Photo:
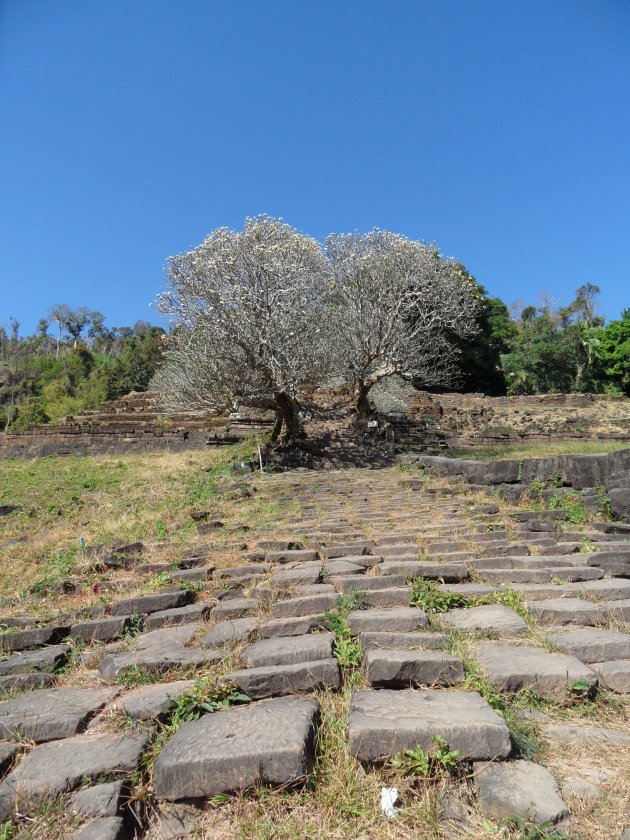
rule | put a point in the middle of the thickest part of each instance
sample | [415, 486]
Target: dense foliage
[46, 376]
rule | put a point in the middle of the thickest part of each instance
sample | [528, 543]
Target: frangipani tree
[249, 316]
[400, 303]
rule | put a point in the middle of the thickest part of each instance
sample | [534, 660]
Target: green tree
[614, 354]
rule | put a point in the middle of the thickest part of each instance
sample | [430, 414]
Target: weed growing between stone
[438, 763]
[346, 649]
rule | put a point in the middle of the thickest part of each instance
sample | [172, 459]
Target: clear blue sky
[499, 129]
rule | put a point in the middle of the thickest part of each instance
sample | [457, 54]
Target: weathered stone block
[385, 723]
[404, 668]
[269, 743]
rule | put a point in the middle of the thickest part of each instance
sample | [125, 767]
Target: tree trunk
[288, 413]
[361, 400]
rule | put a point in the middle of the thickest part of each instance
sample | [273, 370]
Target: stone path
[423, 607]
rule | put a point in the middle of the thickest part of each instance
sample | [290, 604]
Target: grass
[544, 449]
[103, 500]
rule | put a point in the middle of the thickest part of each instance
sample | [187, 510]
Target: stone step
[288, 650]
[396, 668]
[561, 611]
[401, 619]
[493, 618]
[401, 641]
[268, 743]
[550, 676]
[384, 723]
[280, 680]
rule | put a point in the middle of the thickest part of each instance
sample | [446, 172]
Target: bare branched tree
[399, 302]
[248, 311]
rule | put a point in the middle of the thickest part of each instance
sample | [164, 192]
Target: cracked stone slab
[519, 789]
[402, 619]
[592, 645]
[549, 675]
[271, 742]
[288, 650]
[386, 722]
[48, 714]
[52, 768]
[561, 611]
[494, 618]
[405, 668]
[279, 680]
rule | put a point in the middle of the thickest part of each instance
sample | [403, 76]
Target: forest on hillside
[73, 363]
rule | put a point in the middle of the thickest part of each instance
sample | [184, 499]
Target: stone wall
[131, 424]
[470, 420]
[589, 474]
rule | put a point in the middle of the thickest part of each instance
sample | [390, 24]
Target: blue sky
[499, 129]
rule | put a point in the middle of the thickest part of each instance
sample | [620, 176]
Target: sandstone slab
[230, 631]
[304, 605]
[614, 675]
[403, 619]
[48, 714]
[562, 611]
[549, 675]
[405, 668]
[402, 641]
[104, 828]
[45, 659]
[591, 644]
[288, 650]
[280, 680]
[52, 768]
[98, 800]
[271, 742]
[519, 789]
[493, 618]
[386, 722]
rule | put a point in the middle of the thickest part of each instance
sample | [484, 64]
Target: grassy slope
[102, 499]
[539, 449]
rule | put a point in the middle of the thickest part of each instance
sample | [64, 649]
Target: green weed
[427, 595]
[437, 764]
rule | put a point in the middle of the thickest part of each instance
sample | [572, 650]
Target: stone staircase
[131, 424]
[437, 614]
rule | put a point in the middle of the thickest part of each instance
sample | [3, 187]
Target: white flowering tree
[248, 317]
[399, 304]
